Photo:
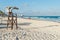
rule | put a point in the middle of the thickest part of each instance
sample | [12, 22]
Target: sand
[31, 30]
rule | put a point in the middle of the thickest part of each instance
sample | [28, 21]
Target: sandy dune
[32, 30]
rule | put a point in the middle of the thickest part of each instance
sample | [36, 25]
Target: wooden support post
[16, 22]
[12, 22]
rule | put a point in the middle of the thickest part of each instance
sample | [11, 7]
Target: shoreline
[39, 19]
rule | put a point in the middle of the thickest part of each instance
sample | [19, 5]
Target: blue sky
[34, 7]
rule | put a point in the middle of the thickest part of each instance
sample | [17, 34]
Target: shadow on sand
[26, 23]
[4, 25]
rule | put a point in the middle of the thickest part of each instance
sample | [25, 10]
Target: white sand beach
[29, 29]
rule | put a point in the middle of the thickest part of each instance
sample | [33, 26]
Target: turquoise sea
[49, 18]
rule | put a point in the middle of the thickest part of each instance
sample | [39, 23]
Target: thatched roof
[2, 13]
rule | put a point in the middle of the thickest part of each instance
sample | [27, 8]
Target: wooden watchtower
[12, 19]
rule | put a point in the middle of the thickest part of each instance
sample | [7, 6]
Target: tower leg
[16, 26]
[11, 26]
[16, 22]
[12, 23]
[7, 25]
[7, 22]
